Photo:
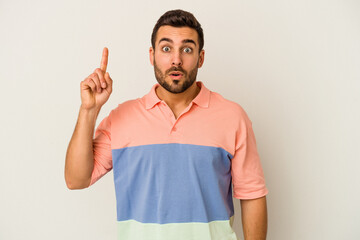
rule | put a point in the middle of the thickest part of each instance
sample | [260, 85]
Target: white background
[294, 66]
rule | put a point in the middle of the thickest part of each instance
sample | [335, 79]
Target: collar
[202, 99]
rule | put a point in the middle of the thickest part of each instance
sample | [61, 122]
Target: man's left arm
[254, 218]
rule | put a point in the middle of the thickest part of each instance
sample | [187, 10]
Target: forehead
[177, 34]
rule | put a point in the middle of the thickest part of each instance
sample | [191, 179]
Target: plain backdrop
[294, 67]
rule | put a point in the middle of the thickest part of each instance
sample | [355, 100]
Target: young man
[175, 152]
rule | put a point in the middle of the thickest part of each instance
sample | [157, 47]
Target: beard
[176, 86]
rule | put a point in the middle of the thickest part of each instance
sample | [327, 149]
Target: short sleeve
[102, 150]
[246, 170]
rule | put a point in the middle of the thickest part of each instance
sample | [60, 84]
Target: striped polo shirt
[175, 178]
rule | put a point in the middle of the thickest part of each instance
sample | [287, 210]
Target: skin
[97, 88]
[254, 218]
[176, 49]
[95, 91]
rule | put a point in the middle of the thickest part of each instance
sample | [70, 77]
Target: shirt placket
[171, 117]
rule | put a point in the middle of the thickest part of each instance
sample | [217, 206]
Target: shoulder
[125, 109]
[228, 107]
[128, 104]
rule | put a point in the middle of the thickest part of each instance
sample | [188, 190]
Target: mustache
[178, 69]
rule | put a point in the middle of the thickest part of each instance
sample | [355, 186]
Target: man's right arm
[79, 162]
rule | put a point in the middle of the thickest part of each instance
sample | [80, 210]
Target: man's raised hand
[97, 87]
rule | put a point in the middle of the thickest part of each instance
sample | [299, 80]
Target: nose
[176, 59]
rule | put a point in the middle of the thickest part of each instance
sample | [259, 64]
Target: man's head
[178, 18]
[176, 52]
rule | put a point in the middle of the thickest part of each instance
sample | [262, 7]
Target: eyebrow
[183, 41]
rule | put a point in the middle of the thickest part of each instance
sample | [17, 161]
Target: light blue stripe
[172, 183]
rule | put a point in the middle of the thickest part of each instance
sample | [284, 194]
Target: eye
[187, 50]
[166, 49]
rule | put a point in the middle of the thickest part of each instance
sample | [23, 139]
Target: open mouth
[176, 74]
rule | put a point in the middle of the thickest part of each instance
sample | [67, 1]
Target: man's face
[176, 57]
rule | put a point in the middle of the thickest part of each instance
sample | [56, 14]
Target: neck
[178, 99]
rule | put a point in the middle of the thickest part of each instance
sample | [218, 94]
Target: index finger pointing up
[104, 59]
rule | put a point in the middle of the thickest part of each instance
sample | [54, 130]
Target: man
[175, 152]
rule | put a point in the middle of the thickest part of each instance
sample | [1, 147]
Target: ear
[201, 58]
[151, 55]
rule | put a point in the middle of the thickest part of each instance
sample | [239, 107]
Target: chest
[161, 126]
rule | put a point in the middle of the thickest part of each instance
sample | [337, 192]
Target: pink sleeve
[246, 171]
[102, 150]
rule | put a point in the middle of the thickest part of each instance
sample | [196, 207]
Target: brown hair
[178, 18]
